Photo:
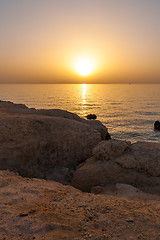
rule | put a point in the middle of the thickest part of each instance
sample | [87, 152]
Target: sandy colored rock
[40, 209]
[36, 142]
[110, 149]
[117, 161]
[147, 156]
[12, 108]
[126, 190]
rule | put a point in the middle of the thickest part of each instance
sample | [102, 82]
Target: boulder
[126, 190]
[97, 125]
[12, 108]
[107, 150]
[157, 125]
[91, 116]
[117, 161]
[34, 143]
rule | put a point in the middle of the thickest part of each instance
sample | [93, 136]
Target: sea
[127, 110]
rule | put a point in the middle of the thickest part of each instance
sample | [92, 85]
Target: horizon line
[34, 83]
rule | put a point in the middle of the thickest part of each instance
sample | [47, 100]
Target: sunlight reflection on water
[84, 107]
[129, 111]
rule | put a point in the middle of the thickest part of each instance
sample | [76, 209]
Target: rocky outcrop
[97, 125]
[12, 108]
[157, 125]
[91, 116]
[117, 161]
[36, 142]
[40, 209]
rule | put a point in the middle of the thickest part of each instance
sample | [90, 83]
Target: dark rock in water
[157, 125]
[91, 116]
[108, 136]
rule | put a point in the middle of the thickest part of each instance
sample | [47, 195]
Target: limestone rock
[109, 149]
[127, 190]
[12, 108]
[97, 125]
[148, 157]
[97, 190]
[117, 161]
[34, 144]
[40, 209]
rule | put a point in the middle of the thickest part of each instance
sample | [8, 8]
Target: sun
[84, 66]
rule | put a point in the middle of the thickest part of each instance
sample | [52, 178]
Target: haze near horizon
[87, 41]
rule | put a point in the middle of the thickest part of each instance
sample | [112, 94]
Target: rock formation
[36, 142]
[117, 161]
[39, 209]
[157, 125]
[91, 116]
[50, 144]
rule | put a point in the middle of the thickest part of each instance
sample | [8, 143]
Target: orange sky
[41, 40]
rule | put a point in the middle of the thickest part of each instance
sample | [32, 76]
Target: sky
[42, 40]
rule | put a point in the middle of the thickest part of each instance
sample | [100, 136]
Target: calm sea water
[129, 111]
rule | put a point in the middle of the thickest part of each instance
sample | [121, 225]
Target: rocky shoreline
[115, 192]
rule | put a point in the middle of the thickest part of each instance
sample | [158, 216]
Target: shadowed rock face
[34, 142]
[117, 161]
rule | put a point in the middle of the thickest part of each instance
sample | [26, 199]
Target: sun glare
[84, 66]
